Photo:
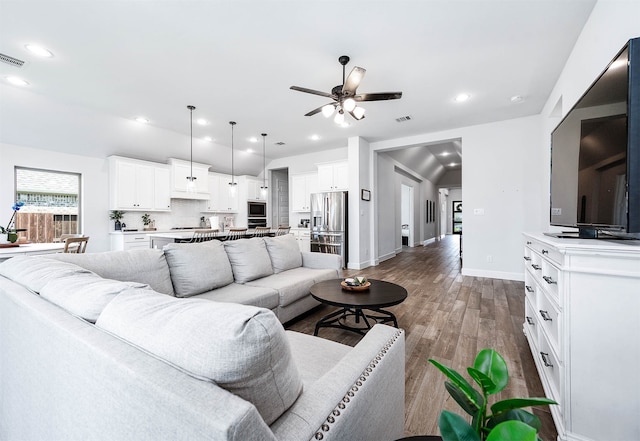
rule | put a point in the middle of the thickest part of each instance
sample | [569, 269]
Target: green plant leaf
[518, 403]
[491, 364]
[513, 431]
[455, 428]
[460, 382]
[483, 381]
[472, 407]
[515, 415]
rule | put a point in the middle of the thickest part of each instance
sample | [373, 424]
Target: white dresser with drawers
[582, 321]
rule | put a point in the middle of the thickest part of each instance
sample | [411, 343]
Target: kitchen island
[159, 240]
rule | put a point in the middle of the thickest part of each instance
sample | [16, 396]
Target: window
[51, 204]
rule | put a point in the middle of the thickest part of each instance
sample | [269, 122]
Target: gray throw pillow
[197, 267]
[249, 259]
[33, 272]
[86, 294]
[284, 252]
[241, 348]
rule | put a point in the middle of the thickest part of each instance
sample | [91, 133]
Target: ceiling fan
[345, 96]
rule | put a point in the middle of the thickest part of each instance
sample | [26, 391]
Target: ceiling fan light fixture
[358, 113]
[349, 104]
[327, 110]
[339, 118]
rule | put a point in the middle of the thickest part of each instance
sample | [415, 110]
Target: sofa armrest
[321, 261]
[360, 398]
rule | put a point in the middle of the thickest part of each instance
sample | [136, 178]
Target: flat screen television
[595, 155]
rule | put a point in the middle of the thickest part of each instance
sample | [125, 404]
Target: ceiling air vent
[404, 118]
[10, 60]
[279, 143]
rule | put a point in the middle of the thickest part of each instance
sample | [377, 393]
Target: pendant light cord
[264, 161]
[233, 123]
[191, 109]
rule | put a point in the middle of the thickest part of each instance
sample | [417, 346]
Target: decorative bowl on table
[355, 284]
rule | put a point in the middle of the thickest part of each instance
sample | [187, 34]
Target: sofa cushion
[33, 272]
[85, 294]
[197, 267]
[241, 348]
[249, 259]
[284, 252]
[143, 266]
[291, 285]
[243, 294]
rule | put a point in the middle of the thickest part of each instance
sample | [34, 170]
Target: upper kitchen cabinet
[301, 188]
[254, 190]
[134, 185]
[162, 181]
[181, 172]
[221, 200]
[333, 176]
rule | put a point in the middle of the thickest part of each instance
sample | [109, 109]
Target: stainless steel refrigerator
[329, 222]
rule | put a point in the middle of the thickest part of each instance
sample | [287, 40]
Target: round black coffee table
[366, 305]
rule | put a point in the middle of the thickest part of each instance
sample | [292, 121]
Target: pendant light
[233, 184]
[191, 184]
[263, 189]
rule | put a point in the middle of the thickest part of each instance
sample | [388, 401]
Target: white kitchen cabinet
[333, 176]
[162, 188]
[303, 237]
[254, 192]
[220, 199]
[129, 241]
[132, 184]
[181, 172]
[302, 186]
[582, 321]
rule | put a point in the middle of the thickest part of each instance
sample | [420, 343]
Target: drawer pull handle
[528, 288]
[536, 267]
[545, 316]
[545, 359]
[527, 258]
[529, 242]
[549, 280]
[530, 321]
[545, 252]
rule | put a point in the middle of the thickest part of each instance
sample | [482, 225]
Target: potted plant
[148, 222]
[116, 215]
[504, 420]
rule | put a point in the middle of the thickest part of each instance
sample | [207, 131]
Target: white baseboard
[493, 274]
[428, 241]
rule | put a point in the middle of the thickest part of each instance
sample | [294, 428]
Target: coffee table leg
[333, 319]
[328, 320]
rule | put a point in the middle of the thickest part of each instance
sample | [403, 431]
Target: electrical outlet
[489, 258]
[556, 212]
[478, 211]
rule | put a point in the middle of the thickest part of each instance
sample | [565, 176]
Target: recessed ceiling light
[16, 81]
[444, 154]
[253, 139]
[249, 150]
[208, 138]
[142, 120]
[462, 97]
[517, 99]
[453, 164]
[39, 50]
[314, 137]
[202, 122]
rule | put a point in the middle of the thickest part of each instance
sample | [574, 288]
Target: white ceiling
[235, 60]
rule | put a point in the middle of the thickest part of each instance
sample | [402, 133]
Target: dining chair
[282, 230]
[203, 235]
[76, 245]
[236, 233]
[261, 231]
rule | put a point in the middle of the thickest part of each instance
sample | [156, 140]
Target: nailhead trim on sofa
[336, 412]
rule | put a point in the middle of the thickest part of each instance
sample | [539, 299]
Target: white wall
[95, 221]
[611, 24]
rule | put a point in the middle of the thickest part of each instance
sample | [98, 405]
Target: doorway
[280, 197]
[406, 215]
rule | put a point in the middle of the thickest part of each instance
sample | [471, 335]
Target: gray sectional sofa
[183, 344]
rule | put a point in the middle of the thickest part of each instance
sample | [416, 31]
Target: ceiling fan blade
[314, 92]
[355, 117]
[318, 110]
[353, 81]
[378, 96]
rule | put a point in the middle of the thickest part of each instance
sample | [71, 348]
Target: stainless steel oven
[256, 209]
[253, 222]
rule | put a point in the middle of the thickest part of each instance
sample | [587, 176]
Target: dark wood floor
[449, 317]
